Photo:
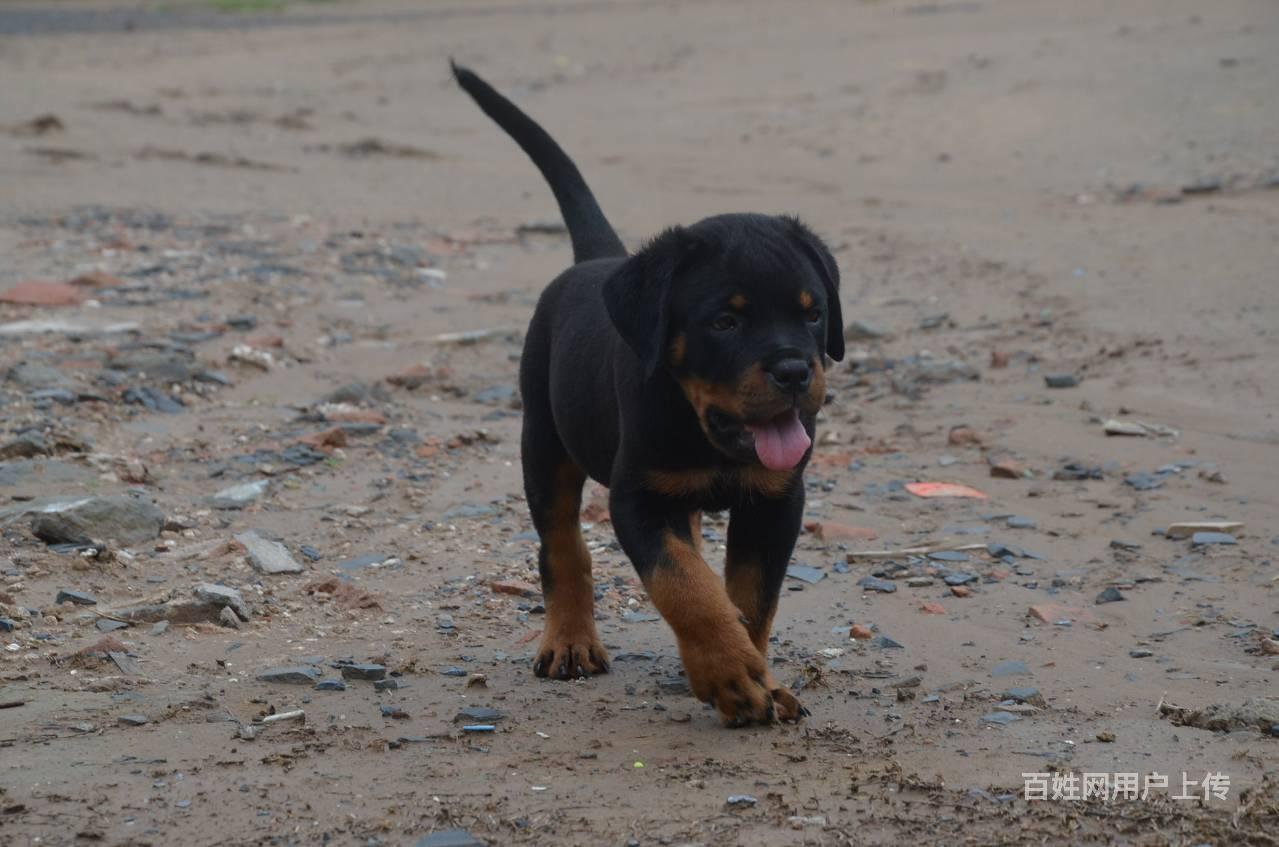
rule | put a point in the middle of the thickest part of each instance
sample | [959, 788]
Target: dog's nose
[791, 375]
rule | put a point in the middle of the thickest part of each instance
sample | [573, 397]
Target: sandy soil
[1015, 189]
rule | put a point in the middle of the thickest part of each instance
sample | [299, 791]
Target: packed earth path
[267, 575]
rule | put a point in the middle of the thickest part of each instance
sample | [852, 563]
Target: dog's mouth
[778, 443]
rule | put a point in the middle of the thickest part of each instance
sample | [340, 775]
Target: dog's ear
[819, 254]
[638, 294]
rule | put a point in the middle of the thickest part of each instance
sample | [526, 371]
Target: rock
[999, 718]
[948, 556]
[388, 684]
[1019, 522]
[1026, 695]
[871, 583]
[152, 400]
[119, 518]
[241, 495]
[7, 625]
[223, 597]
[167, 366]
[496, 395]
[673, 685]
[470, 510]
[292, 675]
[1269, 647]
[326, 439]
[268, 557]
[1110, 595]
[229, 619]
[160, 628]
[482, 714]
[960, 590]
[43, 294]
[108, 625]
[1258, 713]
[963, 436]
[450, 838]
[1061, 380]
[958, 578]
[1141, 653]
[632, 616]
[1143, 481]
[132, 720]
[26, 446]
[79, 598]
[805, 573]
[330, 685]
[885, 643]
[515, 587]
[1186, 529]
[1007, 468]
[741, 801]
[370, 672]
[36, 375]
[1206, 538]
[919, 582]
[1051, 613]
[860, 632]
[932, 608]
[1012, 667]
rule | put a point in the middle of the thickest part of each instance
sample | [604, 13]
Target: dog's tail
[592, 235]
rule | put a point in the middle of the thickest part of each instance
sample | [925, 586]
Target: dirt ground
[280, 213]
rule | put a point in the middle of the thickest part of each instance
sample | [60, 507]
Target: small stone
[7, 625]
[1106, 737]
[948, 556]
[885, 643]
[1052, 613]
[228, 618]
[862, 331]
[1012, 667]
[958, 578]
[631, 616]
[450, 838]
[330, 685]
[960, 590]
[860, 632]
[369, 672]
[999, 718]
[962, 436]
[79, 598]
[1141, 653]
[160, 628]
[932, 608]
[479, 714]
[1019, 522]
[247, 732]
[1269, 647]
[805, 573]
[871, 583]
[1274, 730]
[1061, 380]
[132, 720]
[268, 557]
[919, 582]
[360, 562]
[108, 625]
[293, 675]
[1007, 468]
[741, 801]
[124, 519]
[1026, 695]
[43, 294]
[221, 595]
[394, 712]
[1110, 595]
[834, 531]
[388, 684]
[673, 685]
[1204, 538]
[240, 496]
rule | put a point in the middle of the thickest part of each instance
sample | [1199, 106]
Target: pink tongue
[781, 442]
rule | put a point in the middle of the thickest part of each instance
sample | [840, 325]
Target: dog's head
[743, 311]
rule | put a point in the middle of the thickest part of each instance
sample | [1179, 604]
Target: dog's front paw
[725, 670]
[569, 653]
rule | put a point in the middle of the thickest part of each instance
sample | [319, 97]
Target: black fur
[617, 352]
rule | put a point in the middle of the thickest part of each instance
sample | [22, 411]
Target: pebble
[514, 587]
[871, 583]
[1140, 653]
[630, 616]
[220, 595]
[478, 727]
[1026, 695]
[1019, 522]
[1012, 667]
[7, 625]
[948, 556]
[959, 578]
[371, 672]
[919, 581]
[885, 643]
[228, 618]
[108, 625]
[1201, 538]
[268, 557]
[132, 720]
[450, 838]
[1110, 595]
[673, 685]
[241, 495]
[805, 573]
[389, 684]
[1000, 718]
[1061, 380]
[860, 632]
[291, 675]
[79, 598]
[330, 685]
[1274, 730]
[160, 628]
[960, 590]
[360, 562]
[397, 713]
[479, 713]
[127, 520]
[741, 801]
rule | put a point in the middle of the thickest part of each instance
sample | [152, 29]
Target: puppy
[686, 377]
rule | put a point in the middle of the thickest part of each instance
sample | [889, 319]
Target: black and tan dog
[686, 377]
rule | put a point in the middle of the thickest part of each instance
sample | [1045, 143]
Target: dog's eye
[726, 322]
[814, 316]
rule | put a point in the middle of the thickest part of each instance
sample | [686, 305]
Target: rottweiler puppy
[685, 377]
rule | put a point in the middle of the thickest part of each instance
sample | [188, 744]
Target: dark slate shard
[108, 625]
[1110, 595]
[883, 642]
[7, 625]
[1141, 653]
[310, 552]
[291, 675]
[389, 684]
[132, 720]
[452, 670]
[1024, 695]
[1020, 522]
[1204, 538]
[805, 573]
[153, 400]
[478, 714]
[871, 583]
[1061, 380]
[79, 598]
[959, 578]
[948, 556]
[330, 685]
[1143, 481]
[673, 685]
[999, 718]
[372, 672]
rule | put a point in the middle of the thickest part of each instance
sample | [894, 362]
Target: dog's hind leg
[553, 483]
